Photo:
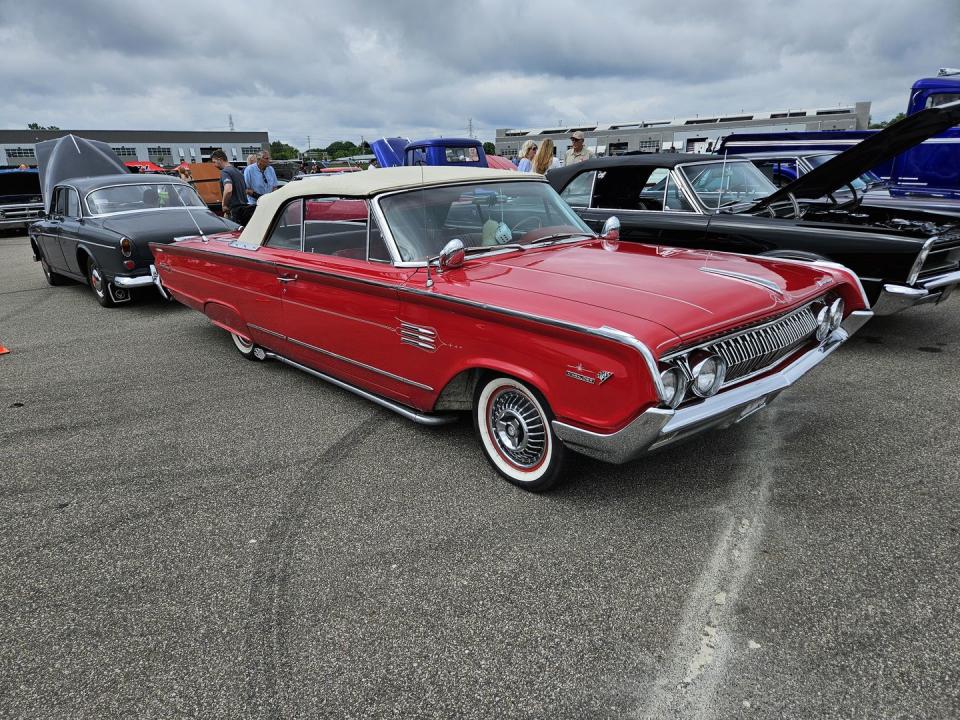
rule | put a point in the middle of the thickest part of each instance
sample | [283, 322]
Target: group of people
[241, 189]
[540, 159]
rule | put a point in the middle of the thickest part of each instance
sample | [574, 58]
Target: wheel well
[83, 257]
[459, 392]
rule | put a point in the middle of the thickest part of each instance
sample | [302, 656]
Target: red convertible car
[434, 290]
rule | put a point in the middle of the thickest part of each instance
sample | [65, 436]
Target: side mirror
[452, 255]
[611, 229]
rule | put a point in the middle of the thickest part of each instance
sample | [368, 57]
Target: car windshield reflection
[727, 183]
[862, 182]
[142, 196]
[484, 216]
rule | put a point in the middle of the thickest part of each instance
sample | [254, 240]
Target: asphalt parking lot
[189, 534]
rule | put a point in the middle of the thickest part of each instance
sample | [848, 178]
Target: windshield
[142, 196]
[487, 215]
[718, 184]
[868, 179]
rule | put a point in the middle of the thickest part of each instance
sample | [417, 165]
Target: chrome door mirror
[611, 229]
[452, 255]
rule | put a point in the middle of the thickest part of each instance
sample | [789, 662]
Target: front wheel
[513, 423]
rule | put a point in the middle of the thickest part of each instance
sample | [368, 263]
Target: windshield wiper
[473, 249]
[555, 236]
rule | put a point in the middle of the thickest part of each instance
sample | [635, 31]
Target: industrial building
[160, 146]
[701, 133]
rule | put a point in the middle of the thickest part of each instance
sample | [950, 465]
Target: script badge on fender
[579, 372]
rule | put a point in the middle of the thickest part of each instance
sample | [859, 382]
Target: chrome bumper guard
[894, 298]
[658, 427]
[125, 281]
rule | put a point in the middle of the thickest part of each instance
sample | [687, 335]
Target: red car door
[340, 302]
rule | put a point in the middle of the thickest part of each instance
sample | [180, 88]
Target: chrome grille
[756, 349]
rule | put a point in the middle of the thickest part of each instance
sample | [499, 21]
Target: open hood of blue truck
[389, 151]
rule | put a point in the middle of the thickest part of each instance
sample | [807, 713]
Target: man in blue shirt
[260, 178]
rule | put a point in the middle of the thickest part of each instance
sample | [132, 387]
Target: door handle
[287, 278]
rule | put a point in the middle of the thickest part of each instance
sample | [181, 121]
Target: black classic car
[903, 256]
[99, 219]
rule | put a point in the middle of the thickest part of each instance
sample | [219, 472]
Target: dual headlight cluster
[703, 373]
[829, 319]
[703, 378]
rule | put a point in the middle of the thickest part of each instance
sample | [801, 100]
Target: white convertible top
[364, 184]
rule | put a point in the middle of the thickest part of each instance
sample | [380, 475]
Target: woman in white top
[527, 152]
[545, 159]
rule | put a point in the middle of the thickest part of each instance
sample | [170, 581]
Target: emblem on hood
[579, 372]
[763, 282]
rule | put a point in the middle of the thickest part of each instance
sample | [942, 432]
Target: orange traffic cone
[3, 350]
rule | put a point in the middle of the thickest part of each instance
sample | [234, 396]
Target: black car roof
[86, 184]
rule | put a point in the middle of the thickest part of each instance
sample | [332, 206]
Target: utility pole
[470, 127]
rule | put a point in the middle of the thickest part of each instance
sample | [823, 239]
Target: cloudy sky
[341, 70]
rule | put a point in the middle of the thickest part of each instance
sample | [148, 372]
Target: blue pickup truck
[461, 152]
[931, 168]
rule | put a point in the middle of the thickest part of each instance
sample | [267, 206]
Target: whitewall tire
[513, 423]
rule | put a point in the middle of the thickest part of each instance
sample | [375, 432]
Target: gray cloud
[341, 70]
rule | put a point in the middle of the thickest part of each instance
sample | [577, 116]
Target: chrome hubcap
[518, 428]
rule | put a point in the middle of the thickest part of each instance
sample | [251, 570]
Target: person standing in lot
[529, 149]
[260, 177]
[545, 159]
[234, 199]
[578, 153]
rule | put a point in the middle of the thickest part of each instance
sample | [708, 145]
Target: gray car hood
[73, 157]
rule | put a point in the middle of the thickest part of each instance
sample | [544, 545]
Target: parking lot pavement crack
[267, 614]
[697, 665]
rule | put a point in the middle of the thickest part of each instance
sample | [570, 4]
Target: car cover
[71, 157]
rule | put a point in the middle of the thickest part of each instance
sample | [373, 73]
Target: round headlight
[674, 385]
[126, 247]
[708, 376]
[836, 314]
[823, 324]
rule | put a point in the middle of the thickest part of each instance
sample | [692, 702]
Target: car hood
[166, 224]
[389, 151]
[867, 154]
[691, 293]
[73, 157]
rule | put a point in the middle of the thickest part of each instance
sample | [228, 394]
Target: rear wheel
[52, 277]
[247, 348]
[99, 284]
[513, 423]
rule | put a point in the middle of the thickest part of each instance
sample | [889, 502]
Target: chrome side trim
[849, 272]
[265, 330]
[934, 283]
[409, 413]
[656, 428]
[359, 364]
[418, 336]
[768, 284]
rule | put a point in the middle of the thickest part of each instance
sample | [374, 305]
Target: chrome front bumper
[894, 298]
[657, 427]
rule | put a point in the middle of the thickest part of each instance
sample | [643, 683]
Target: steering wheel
[518, 225]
